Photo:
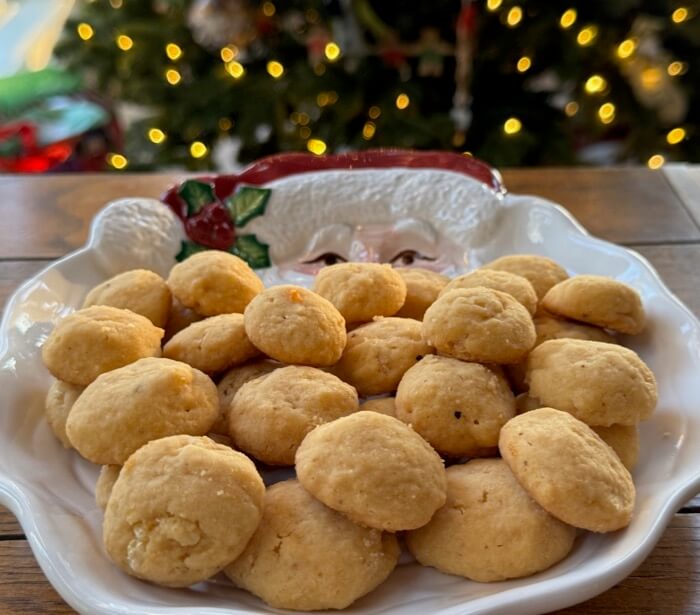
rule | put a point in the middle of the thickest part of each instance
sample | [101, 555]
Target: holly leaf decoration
[196, 195]
[247, 203]
[254, 252]
[187, 249]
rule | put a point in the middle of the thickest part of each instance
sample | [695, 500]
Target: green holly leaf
[196, 195]
[254, 252]
[247, 203]
[187, 249]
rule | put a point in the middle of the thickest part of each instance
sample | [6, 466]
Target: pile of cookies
[486, 418]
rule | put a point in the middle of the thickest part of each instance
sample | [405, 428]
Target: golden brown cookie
[378, 354]
[373, 469]
[181, 510]
[362, 291]
[515, 285]
[542, 272]
[213, 344]
[479, 324]
[490, 529]
[214, 282]
[271, 415]
[59, 401]
[624, 440]
[97, 339]
[458, 407]
[127, 407]
[383, 405]
[139, 290]
[600, 384]
[306, 557]
[568, 470]
[179, 317]
[422, 288]
[294, 325]
[105, 483]
[599, 301]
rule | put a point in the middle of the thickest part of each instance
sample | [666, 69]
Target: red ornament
[212, 227]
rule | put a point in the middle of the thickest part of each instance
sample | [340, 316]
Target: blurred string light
[514, 16]
[235, 69]
[656, 161]
[316, 146]
[587, 35]
[651, 78]
[173, 51]
[302, 119]
[626, 48]
[606, 112]
[680, 15]
[117, 161]
[198, 149]
[225, 124]
[571, 108]
[493, 5]
[156, 135]
[332, 51]
[524, 64]
[676, 68]
[595, 84]
[374, 112]
[268, 9]
[568, 18]
[85, 31]
[368, 130]
[116, 4]
[172, 76]
[512, 126]
[675, 136]
[229, 53]
[304, 132]
[402, 101]
[124, 42]
[275, 69]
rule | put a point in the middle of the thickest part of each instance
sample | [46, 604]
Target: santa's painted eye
[409, 257]
[327, 258]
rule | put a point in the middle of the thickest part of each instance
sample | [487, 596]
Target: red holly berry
[212, 227]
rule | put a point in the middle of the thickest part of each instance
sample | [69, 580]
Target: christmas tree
[512, 82]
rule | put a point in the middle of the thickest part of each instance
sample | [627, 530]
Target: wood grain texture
[9, 527]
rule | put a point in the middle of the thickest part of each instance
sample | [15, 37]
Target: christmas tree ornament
[431, 50]
[464, 56]
[216, 23]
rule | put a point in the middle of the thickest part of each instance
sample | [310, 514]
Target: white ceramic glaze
[50, 489]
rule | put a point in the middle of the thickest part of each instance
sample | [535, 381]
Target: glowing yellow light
[117, 161]
[172, 76]
[332, 97]
[493, 5]
[156, 135]
[675, 136]
[571, 108]
[85, 31]
[651, 78]
[595, 84]
[368, 130]
[524, 63]
[512, 126]
[125, 42]
[656, 161]
[626, 48]
[402, 101]
[235, 69]
[374, 112]
[676, 68]
[304, 132]
[116, 4]
[332, 51]
[316, 146]
[268, 9]
[173, 51]
[225, 124]
[275, 69]
[228, 54]
[198, 149]
[679, 15]
[568, 18]
[606, 113]
[468, 154]
[458, 138]
[587, 35]
[515, 16]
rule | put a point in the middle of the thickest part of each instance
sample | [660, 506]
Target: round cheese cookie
[378, 354]
[139, 290]
[362, 291]
[458, 407]
[294, 325]
[624, 440]
[600, 384]
[542, 272]
[568, 470]
[181, 510]
[179, 317]
[59, 401]
[422, 288]
[214, 282]
[105, 483]
[130, 406]
[599, 301]
[233, 380]
[306, 557]
[213, 344]
[515, 285]
[383, 405]
[479, 324]
[373, 469]
[490, 529]
[98, 339]
[271, 415]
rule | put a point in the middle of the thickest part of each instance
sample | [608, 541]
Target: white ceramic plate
[363, 213]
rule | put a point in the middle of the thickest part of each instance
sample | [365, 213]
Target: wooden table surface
[44, 218]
